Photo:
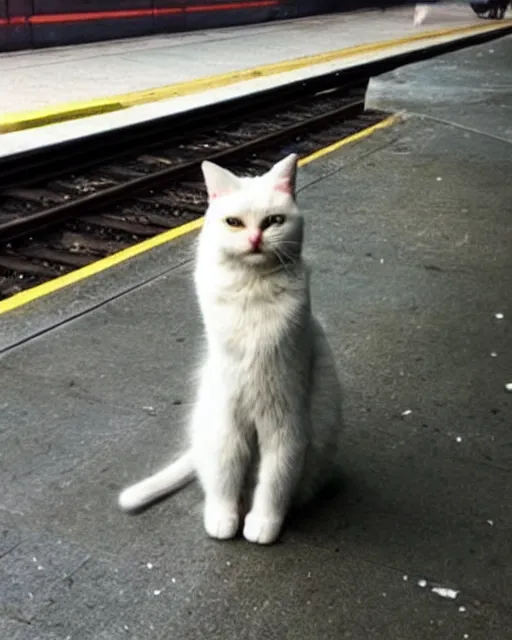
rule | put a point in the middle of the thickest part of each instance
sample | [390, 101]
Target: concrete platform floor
[409, 236]
[42, 78]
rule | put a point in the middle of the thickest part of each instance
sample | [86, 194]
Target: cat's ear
[284, 174]
[219, 182]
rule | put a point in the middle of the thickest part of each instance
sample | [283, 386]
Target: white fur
[267, 414]
[173, 477]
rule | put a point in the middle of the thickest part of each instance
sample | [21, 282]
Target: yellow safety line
[63, 112]
[364, 133]
[22, 298]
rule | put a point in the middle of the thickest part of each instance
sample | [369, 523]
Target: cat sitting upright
[267, 416]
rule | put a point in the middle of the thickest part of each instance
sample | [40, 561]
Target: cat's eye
[234, 222]
[277, 219]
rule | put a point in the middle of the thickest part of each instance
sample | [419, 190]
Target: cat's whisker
[289, 257]
[284, 263]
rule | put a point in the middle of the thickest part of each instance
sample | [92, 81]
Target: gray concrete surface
[409, 235]
[459, 90]
[42, 78]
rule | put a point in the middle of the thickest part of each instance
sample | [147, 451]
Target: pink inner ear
[284, 186]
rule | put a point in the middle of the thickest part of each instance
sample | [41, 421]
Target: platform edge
[42, 290]
[64, 112]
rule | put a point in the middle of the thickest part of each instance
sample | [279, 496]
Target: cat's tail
[175, 476]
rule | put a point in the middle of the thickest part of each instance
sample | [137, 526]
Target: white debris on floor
[445, 592]
[150, 410]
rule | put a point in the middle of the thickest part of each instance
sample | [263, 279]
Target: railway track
[64, 207]
[133, 191]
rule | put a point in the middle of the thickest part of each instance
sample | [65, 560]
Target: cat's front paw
[220, 522]
[262, 529]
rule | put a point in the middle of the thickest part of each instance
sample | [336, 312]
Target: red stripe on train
[232, 5]
[98, 15]
[132, 13]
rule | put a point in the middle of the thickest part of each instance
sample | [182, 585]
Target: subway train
[26, 24]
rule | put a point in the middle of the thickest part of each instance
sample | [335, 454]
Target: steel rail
[164, 177]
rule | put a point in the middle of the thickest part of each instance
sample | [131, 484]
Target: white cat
[267, 417]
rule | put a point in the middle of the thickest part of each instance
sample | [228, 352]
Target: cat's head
[253, 221]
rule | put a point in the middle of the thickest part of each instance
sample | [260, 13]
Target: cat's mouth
[255, 250]
[255, 255]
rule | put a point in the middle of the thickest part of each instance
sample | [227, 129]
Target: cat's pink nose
[255, 239]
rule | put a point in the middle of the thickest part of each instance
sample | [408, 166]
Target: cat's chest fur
[258, 344]
[257, 326]
[253, 317]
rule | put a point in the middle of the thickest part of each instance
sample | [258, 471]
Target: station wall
[26, 24]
